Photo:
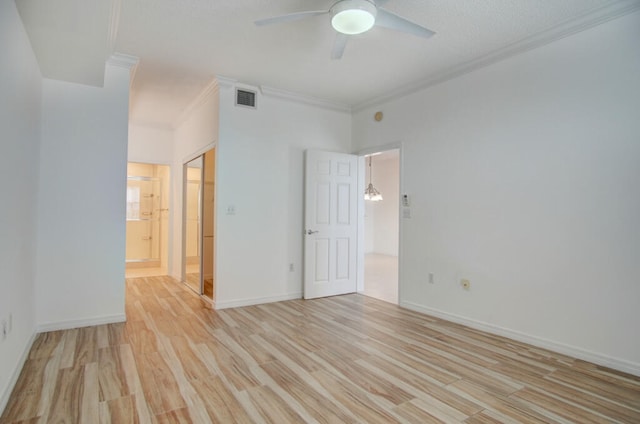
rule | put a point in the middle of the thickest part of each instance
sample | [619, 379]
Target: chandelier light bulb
[371, 193]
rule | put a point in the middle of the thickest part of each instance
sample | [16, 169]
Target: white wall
[81, 213]
[524, 177]
[260, 173]
[369, 227]
[148, 144]
[20, 85]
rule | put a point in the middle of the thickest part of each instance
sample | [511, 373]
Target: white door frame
[361, 187]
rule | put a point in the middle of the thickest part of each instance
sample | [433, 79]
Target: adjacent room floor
[339, 359]
[144, 272]
[381, 277]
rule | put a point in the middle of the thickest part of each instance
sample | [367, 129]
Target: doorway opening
[147, 228]
[382, 226]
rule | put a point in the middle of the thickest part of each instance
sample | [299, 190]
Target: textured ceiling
[183, 44]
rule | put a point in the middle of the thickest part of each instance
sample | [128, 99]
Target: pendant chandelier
[371, 193]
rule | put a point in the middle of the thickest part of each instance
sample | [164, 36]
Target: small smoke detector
[245, 98]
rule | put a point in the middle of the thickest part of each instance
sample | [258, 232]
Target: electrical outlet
[466, 284]
[291, 267]
[431, 279]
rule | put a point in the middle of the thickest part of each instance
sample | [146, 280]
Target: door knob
[309, 232]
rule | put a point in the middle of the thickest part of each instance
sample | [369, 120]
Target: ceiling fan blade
[338, 46]
[392, 21]
[290, 17]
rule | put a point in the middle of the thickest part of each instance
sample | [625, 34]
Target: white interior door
[331, 227]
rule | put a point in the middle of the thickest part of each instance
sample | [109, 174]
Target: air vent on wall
[245, 98]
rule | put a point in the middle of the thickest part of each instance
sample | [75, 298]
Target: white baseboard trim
[88, 322]
[4, 399]
[575, 352]
[255, 301]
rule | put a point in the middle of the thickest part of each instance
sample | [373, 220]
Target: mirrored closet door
[198, 224]
[192, 228]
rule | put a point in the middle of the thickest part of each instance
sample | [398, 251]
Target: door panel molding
[331, 224]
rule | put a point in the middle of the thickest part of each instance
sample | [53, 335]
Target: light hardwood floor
[341, 359]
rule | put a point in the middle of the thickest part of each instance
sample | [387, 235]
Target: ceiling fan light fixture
[353, 17]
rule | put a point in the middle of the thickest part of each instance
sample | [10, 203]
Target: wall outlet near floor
[431, 279]
[291, 267]
[466, 284]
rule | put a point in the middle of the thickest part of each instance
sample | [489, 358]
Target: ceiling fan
[351, 17]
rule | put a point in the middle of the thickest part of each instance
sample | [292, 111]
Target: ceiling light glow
[353, 17]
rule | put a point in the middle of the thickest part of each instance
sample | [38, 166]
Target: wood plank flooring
[346, 359]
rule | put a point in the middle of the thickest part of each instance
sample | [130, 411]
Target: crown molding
[122, 60]
[226, 82]
[125, 61]
[156, 125]
[114, 24]
[199, 100]
[569, 27]
[307, 100]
